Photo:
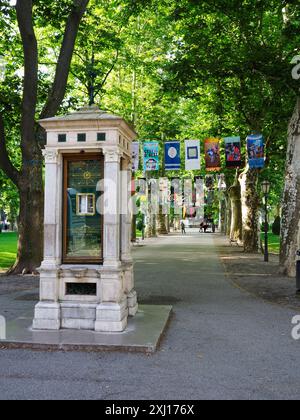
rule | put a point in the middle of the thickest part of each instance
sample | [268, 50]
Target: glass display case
[82, 213]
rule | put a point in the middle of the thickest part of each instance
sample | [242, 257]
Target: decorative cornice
[112, 156]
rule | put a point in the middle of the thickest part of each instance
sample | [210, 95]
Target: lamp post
[266, 190]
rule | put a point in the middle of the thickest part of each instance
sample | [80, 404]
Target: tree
[98, 47]
[236, 232]
[290, 238]
[28, 178]
[246, 71]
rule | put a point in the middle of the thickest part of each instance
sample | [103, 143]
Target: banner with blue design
[233, 152]
[151, 156]
[172, 156]
[192, 155]
[256, 151]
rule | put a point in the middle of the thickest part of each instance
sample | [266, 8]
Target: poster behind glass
[83, 232]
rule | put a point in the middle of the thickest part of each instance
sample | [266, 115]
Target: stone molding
[51, 156]
[112, 155]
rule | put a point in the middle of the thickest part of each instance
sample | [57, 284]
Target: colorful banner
[256, 151]
[212, 154]
[233, 152]
[151, 156]
[172, 156]
[192, 155]
[135, 155]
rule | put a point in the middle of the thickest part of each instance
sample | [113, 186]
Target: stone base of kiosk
[106, 311]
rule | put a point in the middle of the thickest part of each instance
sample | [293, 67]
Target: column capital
[50, 156]
[112, 155]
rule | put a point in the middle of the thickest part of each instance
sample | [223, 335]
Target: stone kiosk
[87, 273]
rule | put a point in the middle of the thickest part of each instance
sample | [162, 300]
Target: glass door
[82, 220]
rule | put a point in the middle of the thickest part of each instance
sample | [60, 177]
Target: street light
[266, 186]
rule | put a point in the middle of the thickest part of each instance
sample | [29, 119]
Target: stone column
[112, 313]
[47, 311]
[112, 198]
[126, 221]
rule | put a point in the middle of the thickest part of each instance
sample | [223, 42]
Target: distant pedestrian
[203, 227]
[183, 231]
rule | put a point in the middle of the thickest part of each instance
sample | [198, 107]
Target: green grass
[8, 249]
[274, 242]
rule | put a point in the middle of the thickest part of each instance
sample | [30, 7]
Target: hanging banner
[256, 151]
[233, 152]
[151, 156]
[172, 156]
[212, 154]
[192, 155]
[135, 155]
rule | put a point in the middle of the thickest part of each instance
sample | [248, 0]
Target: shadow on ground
[249, 272]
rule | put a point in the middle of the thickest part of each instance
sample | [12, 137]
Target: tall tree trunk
[222, 216]
[168, 223]
[150, 231]
[250, 209]
[228, 216]
[290, 226]
[31, 218]
[133, 228]
[236, 230]
[161, 222]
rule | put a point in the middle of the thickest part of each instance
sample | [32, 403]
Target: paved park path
[222, 343]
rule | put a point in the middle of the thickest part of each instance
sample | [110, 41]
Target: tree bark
[150, 231]
[236, 230]
[133, 228]
[250, 209]
[31, 217]
[161, 222]
[290, 227]
[30, 181]
[228, 216]
[222, 216]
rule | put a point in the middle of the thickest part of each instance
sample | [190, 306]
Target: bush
[276, 226]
